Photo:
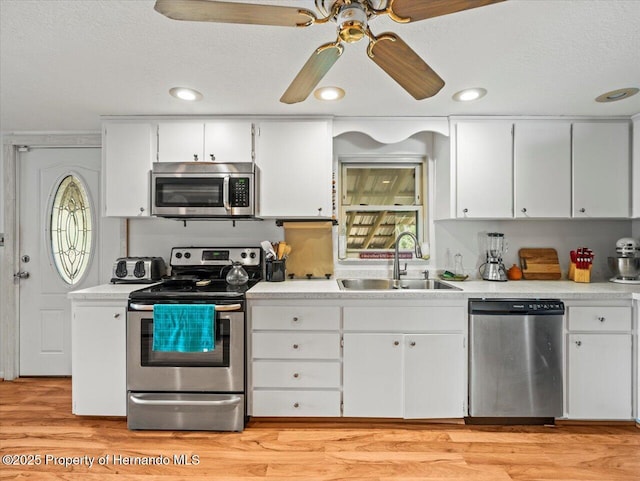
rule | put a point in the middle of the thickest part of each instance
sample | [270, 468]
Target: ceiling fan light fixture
[468, 95]
[185, 93]
[329, 93]
[616, 95]
[352, 23]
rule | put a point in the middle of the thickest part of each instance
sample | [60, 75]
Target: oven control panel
[214, 256]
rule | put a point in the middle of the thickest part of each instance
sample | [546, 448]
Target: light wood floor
[36, 419]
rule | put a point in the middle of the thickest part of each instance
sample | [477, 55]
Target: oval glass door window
[71, 229]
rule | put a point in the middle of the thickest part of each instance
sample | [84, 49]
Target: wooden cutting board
[539, 264]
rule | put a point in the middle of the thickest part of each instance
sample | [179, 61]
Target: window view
[71, 232]
[379, 201]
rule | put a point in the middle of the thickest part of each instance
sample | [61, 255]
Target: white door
[45, 311]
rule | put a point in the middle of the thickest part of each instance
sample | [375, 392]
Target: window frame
[421, 205]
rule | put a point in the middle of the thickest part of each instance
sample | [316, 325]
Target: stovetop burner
[199, 275]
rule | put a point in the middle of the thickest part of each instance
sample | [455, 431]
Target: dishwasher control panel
[539, 307]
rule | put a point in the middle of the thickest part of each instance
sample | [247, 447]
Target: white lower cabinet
[98, 358]
[404, 374]
[295, 360]
[599, 362]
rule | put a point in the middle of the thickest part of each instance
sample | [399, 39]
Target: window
[379, 201]
[70, 231]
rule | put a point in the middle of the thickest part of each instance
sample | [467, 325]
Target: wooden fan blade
[228, 12]
[405, 66]
[415, 10]
[320, 62]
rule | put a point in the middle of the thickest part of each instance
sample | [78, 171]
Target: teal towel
[184, 327]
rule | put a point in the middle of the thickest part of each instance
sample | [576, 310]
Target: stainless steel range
[203, 390]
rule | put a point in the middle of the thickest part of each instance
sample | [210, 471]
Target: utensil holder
[276, 271]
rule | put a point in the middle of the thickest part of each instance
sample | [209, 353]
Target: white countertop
[328, 289]
[106, 291]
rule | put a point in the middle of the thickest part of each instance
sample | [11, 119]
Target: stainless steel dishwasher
[515, 360]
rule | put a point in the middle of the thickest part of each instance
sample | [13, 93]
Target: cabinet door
[228, 141]
[434, 380]
[128, 150]
[372, 375]
[599, 384]
[295, 168]
[601, 169]
[180, 141]
[635, 169]
[98, 365]
[484, 169]
[542, 163]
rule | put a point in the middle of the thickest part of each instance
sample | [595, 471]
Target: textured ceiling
[66, 62]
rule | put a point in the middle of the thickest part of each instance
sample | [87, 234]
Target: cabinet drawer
[402, 319]
[600, 318]
[296, 345]
[296, 374]
[296, 403]
[326, 318]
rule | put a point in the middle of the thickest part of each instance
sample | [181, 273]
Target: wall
[449, 237]
[156, 237]
[466, 237]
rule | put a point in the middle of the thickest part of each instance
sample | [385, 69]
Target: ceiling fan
[352, 18]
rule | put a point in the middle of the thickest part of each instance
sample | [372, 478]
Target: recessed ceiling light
[329, 93]
[184, 93]
[467, 95]
[617, 95]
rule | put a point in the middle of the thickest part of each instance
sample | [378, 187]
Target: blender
[493, 269]
[626, 266]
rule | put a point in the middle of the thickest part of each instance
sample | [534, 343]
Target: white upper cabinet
[128, 150]
[212, 141]
[601, 169]
[228, 141]
[542, 164]
[294, 159]
[180, 141]
[483, 153]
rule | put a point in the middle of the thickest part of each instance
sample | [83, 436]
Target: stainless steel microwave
[203, 189]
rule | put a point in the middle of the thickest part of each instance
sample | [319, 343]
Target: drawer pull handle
[412, 343]
[295, 319]
[601, 318]
[296, 375]
[296, 346]
[396, 343]
[296, 405]
[116, 315]
[578, 343]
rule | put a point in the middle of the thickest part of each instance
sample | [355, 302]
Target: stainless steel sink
[390, 284]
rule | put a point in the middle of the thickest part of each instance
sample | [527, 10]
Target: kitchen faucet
[396, 262]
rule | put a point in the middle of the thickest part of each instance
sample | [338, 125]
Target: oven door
[218, 371]
[202, 195]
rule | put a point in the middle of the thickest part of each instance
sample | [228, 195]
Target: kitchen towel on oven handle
[184, 327]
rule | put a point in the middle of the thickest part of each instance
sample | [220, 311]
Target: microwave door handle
[225, 193]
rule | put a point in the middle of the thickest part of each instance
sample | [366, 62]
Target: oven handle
[220, 308]
[176, 402]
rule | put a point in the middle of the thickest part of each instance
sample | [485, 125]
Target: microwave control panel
[239, 195]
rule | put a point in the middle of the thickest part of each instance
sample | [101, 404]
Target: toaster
[138, 270]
